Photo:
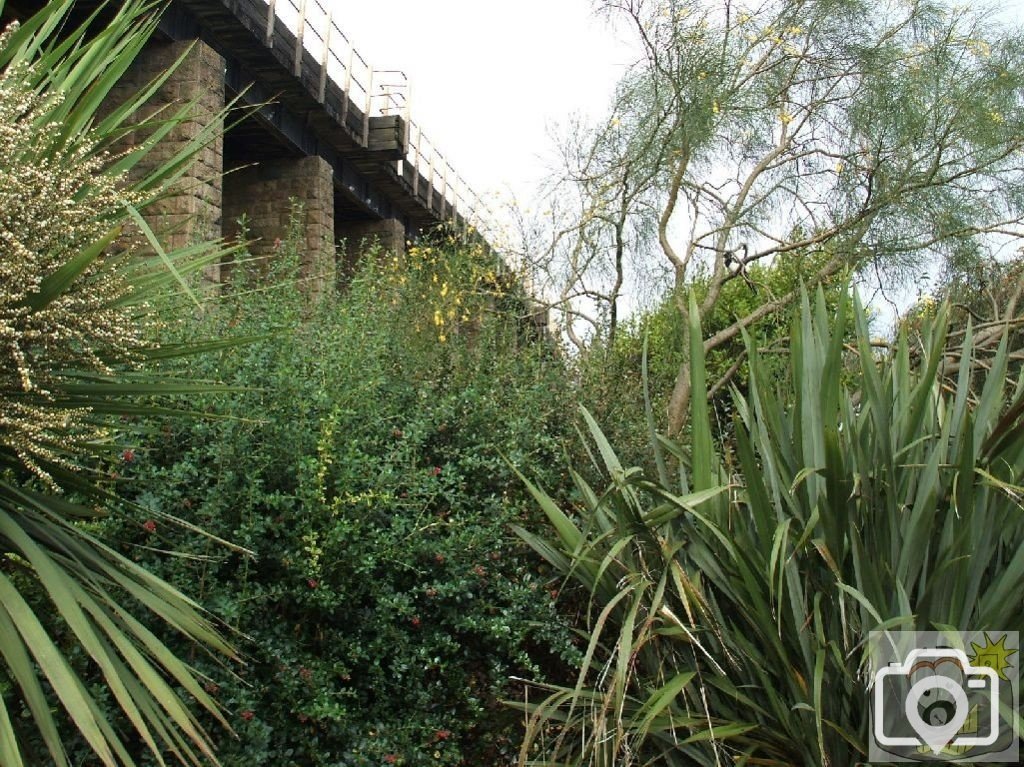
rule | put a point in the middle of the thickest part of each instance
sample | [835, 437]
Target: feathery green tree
[871, 136]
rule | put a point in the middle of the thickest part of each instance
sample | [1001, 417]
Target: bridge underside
[291, 145]
[270, 175]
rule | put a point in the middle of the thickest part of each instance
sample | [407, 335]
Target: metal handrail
[376, 92]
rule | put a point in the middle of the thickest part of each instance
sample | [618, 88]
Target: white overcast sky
[490, 78]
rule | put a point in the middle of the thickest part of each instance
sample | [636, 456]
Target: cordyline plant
[74, 349]
[731, 604]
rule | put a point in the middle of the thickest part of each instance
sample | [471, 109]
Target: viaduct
[323, 127]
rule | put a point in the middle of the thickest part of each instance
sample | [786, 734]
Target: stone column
[191, 211]
[268, 194]
[360, 236]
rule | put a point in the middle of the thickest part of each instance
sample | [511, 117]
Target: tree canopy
[879, 136]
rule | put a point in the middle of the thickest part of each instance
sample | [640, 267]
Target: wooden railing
[378, 92]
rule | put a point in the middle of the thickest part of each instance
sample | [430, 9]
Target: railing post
[322, 93]
[348, 83]
[444, 187]
[455, 199]
[369, 106]
[300, 33]
[407, 115]
[474, 212]
[271, 18]
[416, 165]
[430, 180]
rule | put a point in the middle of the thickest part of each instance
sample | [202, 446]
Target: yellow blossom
[980, 47]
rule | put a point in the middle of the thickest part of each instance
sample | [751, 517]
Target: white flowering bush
[58, 211]
[77, 650]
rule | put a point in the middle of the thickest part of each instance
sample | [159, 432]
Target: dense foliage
[367, 467]
[74, 339]
[345, 506]
[612, 384]
[732, 602]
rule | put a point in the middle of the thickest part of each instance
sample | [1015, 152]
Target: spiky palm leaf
[733, 604]
[74, 324]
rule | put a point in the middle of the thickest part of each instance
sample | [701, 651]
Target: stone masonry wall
[265, 194]
[358, 236]
[191, 211]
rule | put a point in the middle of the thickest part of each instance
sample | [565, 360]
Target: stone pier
[191, 211]
[358, 237]
[268, 195]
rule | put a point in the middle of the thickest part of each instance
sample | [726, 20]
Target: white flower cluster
[55, 202]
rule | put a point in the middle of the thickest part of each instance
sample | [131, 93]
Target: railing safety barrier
[378, 92]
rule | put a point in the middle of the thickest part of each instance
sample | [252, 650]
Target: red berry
[436, 471]
[312, 583]
[442, 735]
[149, 526]
[247, 715]
[128, 456]
[415, 621]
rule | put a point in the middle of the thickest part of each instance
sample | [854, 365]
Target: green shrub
[366, 467]
[731, 604]
[612, 385]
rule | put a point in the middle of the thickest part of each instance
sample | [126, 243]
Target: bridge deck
[291, 59]
[315, 75]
